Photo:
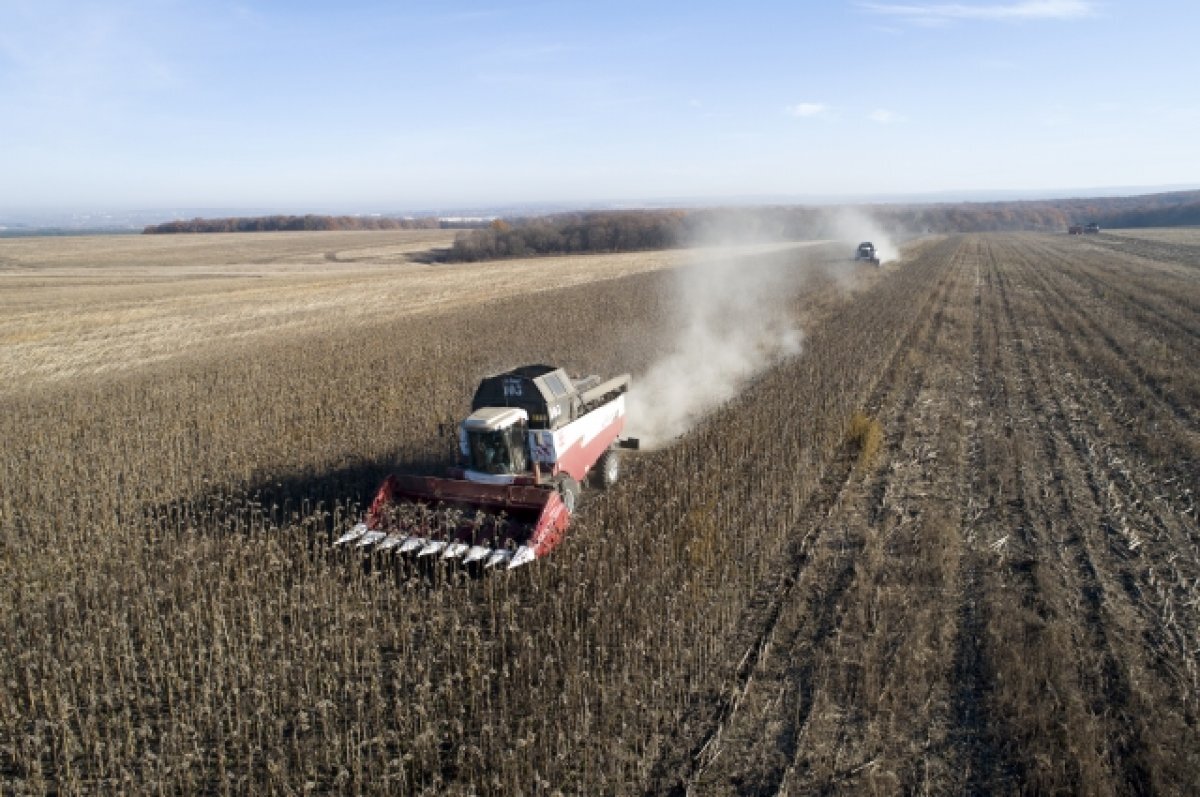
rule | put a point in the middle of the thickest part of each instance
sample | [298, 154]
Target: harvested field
[1171, 235]
[1179, 246]
[77, 307]
[952, 546]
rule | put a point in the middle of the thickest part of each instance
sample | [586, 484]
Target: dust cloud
[734, 316]
[734, 320]
[854, 226]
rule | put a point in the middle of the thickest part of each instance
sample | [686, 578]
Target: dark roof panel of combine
[541, 390]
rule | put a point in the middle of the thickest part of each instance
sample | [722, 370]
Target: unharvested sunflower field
[946, 543]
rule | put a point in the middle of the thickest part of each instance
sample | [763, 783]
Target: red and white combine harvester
[533, 437]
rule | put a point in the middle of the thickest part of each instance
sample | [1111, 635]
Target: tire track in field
[1001, 531]
[1075, 327]
[777, 592]
[1029, 740]
[861, 515]
[971, 712]
[1013, 377]
[1151, 525]
[1154, 322]
[1125, 558]
[777, 678]
[1089, 328]
[1132, 564]
[1162, 292]
[1050, 420]
[888, 681]
[1103, 683]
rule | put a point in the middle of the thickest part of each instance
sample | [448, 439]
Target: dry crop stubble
[174, 624]
[149, 511]
[1176, 235]
[1059, 593]
[797, 566]
[75, 308]
[1032, 607]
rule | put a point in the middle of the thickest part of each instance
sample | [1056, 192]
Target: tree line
[567, 233]
[634, 230]
[293, 223]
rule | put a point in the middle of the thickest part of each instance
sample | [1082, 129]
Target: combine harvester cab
[533, 438]
[866, 251]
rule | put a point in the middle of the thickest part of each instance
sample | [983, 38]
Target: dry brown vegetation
[1177, 235]
[1001, 598]
[72, 307]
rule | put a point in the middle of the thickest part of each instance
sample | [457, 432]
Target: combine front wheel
[568, 490]
[608, 469]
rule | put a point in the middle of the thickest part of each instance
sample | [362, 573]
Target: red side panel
[579, 458]
[551, 527]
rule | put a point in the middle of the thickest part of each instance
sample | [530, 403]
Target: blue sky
[373, 105]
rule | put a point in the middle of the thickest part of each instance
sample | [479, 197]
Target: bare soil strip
[826, 610]
[1008, 596]
[803, 608]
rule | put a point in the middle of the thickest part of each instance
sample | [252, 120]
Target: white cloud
[808, 109]
[940, 13]
[883, 116]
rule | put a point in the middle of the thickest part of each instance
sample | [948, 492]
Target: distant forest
[624, 231]
[294, 223]
[635, 230]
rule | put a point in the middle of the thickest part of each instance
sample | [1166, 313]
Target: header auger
[534, 436]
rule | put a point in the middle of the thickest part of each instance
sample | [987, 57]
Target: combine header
[533, 437]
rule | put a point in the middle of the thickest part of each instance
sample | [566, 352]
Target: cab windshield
[500, 452]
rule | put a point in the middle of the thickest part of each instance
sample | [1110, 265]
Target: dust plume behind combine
[852, 225]
[733, 319]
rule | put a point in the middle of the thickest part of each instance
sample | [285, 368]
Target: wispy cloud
[883, 116]
[942, 13]
[808, 109]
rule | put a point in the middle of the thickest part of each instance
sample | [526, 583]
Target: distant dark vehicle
[1092, 227]
[1075, 229]
[866, 251]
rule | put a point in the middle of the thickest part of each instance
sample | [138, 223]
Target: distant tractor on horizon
[1075, 229]
[1091, 228]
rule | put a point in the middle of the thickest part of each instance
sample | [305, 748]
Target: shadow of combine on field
[321, 505]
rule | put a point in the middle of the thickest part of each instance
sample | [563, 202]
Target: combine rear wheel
[568, 490]
[608, 469]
